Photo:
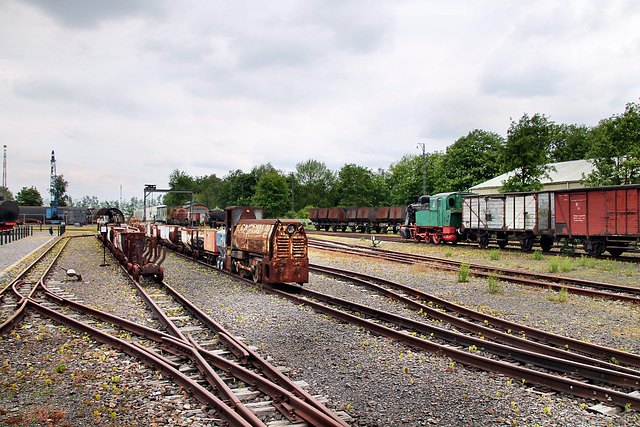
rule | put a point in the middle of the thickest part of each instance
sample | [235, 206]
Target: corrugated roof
[562, 172]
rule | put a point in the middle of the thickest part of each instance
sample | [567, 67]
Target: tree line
[532, 142]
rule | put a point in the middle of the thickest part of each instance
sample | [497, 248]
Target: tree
[526, 153]
[570, 142]
[313, 184]
[405, 177]
[355, 186]
[616, 149]
[60, 190]
[29, 197]
[179, 180]
[89, 202]
[236, 189]
[6, 193]
[131, 206]
[272, 194]
[471, 160]
[208, 190]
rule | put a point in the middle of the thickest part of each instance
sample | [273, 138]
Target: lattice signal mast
[52, 188]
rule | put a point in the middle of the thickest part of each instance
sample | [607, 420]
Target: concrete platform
[12, 253]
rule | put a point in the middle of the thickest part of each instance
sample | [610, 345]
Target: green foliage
[273, 194]
[494, 254]
[29, 197]
[6, 193]
[537, 254]
[616, 149]
[313, 185]
[463, 273]
[60, 190]
[355, 186]
[405, 178]
[554, 264]
[470, 160]
[527, 153]
[493, 285]
[561, 296]
[570, 142]
[179, 180]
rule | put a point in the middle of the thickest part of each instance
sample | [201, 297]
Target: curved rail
[16, 293]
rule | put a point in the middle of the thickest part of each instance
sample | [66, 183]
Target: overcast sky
[125, 91]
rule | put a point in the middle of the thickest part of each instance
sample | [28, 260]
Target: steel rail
[605, 354]
[248, 356]
[304, 405]
[295, 411]
[13, 286]
[202, 394]
[242, 351]
[508, 275]
[515, 348]
[564, 385]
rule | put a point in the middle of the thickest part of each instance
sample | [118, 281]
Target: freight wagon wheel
[546, 243]
[526, 243]
[483, 240]
[594, 247]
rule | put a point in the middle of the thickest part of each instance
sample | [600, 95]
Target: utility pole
[424, 169]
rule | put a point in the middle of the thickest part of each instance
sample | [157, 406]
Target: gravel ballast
[377, 381]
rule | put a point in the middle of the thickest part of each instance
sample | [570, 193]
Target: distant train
[266, 250]
[598, 218]
[365, 220]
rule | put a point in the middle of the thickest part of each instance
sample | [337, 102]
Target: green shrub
[463, 273]
[494, 254]
[537, 254]
[494, 286]
[554, 263]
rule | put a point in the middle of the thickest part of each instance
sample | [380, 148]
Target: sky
[126, 91]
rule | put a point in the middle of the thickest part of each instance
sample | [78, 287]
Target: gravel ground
[378, 382]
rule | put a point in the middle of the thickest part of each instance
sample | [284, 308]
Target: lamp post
[424, 169]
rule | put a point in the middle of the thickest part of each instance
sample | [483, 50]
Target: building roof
[561, 172]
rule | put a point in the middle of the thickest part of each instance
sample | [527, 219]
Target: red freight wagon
[602, 218]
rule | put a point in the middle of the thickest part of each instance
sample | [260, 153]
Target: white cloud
[127, 91]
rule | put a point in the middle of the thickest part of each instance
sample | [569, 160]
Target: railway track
[14, 295]
[483, 342]
[556, 283]
[465, 350]
[184, 344]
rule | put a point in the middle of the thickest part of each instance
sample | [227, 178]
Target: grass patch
[561, 296]
[448, 253]
[463, 273]
[494, 287]
[554, 265]
[537, 254]
[494, 255]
